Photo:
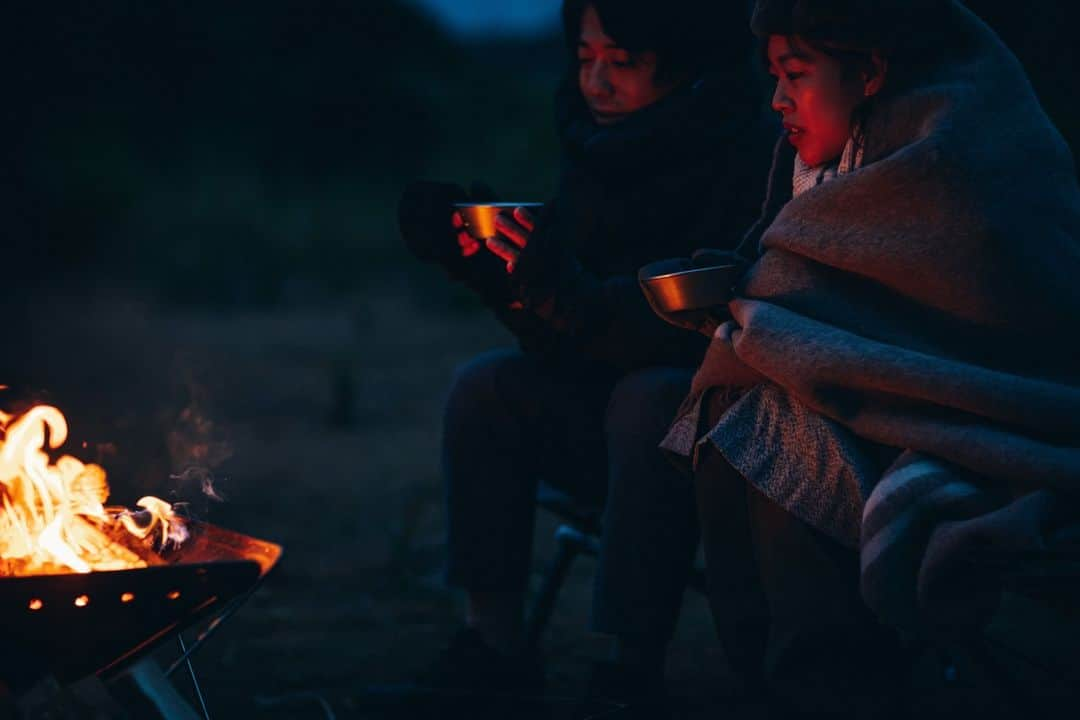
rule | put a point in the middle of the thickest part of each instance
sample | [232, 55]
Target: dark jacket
[684, 173]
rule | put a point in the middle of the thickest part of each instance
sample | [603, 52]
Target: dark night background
[202, 269]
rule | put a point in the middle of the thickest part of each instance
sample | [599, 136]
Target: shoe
[468, 677]
[620, 692]
[470, 665]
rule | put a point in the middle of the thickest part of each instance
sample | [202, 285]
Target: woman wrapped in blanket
[901, 340]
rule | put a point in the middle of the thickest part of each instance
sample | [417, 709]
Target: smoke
[201, 477]
[198, 447]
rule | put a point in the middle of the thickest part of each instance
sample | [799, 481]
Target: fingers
[466, 242]
[514, 232]
[468, 245]
[525, 217]
[504, 251]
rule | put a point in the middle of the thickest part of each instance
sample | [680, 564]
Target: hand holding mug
[467, 244]
[516, 228]
[489, 225]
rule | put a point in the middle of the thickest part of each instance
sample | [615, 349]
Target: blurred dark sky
[251, 151]
[479, 18]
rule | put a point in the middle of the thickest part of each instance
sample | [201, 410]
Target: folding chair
[1046, 581]
[579, 533]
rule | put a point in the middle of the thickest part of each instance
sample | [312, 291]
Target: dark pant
[786, 602]
[512, 422]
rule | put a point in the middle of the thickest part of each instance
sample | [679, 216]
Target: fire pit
[69, 626]
[88, 589]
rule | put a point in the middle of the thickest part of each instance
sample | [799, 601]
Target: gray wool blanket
[940, 546]
[927, 302]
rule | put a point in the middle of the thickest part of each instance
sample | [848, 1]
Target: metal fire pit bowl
[69, 626]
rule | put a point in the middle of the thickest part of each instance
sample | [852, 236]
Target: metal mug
[479, 218]
[690, 288]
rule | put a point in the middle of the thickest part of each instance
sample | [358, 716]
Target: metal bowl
[691, 289]
[480, 217]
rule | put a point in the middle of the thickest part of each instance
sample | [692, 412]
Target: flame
[53, 517]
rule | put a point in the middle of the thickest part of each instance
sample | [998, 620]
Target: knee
[475, 389]
[644, 403]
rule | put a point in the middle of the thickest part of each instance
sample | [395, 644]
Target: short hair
[689, 37]
[886, 25]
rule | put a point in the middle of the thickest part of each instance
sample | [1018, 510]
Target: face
[816, 95]
[613, 82]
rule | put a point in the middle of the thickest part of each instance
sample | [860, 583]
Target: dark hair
[907, 66]
[689, 37]
[854, 62]
[886, 25]
[907, 34]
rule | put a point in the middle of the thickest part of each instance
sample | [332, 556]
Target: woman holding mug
[660, 127]
[911, 281]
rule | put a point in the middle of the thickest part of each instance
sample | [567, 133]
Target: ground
[321, 425]
[330, 420]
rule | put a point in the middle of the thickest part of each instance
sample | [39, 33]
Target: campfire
[53, 517]
[88, 588]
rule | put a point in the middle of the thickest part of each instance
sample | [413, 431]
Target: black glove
[424, 215]
[481, 192]
[545, 265]
[425, 219]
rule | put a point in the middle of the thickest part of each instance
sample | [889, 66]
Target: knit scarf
[807, 177]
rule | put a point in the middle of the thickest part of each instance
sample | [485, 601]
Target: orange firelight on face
[52, 514]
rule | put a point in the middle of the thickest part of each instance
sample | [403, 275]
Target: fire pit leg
[186, 652]
[191, 671]
[210, 630]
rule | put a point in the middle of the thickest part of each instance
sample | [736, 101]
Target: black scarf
[637, 191]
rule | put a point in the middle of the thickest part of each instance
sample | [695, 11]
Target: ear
[875, 74]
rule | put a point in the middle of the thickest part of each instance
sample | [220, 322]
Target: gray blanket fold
[930, 301]
[940, 547]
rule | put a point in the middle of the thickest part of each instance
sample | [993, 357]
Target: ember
[53, 518]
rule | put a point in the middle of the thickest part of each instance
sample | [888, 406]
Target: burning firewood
[52, 514]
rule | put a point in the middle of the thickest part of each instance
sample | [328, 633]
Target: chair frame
[578, 534]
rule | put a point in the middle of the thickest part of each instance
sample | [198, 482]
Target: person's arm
[607, 319]
[612, 321]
